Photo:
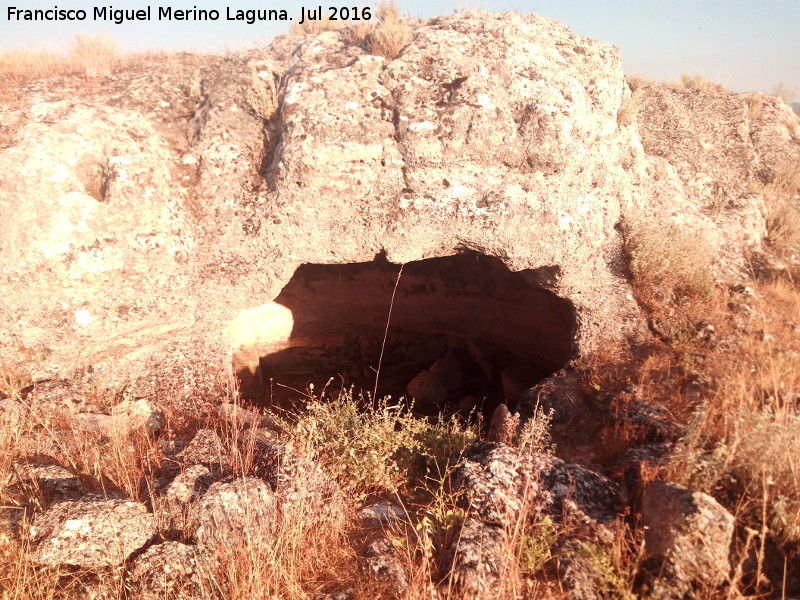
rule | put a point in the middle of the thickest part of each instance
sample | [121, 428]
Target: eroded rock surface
[505, 489]
[244, 509]
[168, 571]
[687, 539]
[91, 532]
[515, 130]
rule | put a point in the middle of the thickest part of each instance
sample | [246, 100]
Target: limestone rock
[503, 489]
[383, 563]
[478, 556]
[179, 496]
[580, 573]
[687, 539]
[167, 571]
[244, 508]
[138, 414]
[13, 414]
[125, 418]
[558, 396]
[207, 449]
[649, 422]
[498, 483]
[10, 525]
[299, 483]
[427, 388]
[381, 514]
[163, 216]
[92, 532]
[638, 463]
[52, 482]
[346, 594]
[503, 426]
[238, 416]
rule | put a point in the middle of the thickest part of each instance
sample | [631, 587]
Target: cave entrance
[465, 332]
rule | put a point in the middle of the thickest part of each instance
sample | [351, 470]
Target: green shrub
[370, 447]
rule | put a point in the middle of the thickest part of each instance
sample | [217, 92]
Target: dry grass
[626, 114]
[783, 213]
[371, 450]
[388, 38]
[665, 258]
[739, 390]
[698, 82]
[19, 68]
[90, 55]
[786, 94]
[317, 26]
[96, 54]
[755, 106]
[744, 441]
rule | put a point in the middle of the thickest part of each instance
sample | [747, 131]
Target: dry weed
[20, 67]
[629, 108]
[318, 26]
[744, 441]
[635, 82]
[755, 106]
[665, 257]
[387, 38]
[783, 214]
[698, 82]
[96, 54]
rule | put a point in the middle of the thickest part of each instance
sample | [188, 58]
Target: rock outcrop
[154, 212]
[159, 214]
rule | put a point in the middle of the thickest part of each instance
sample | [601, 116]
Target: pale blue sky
[743, 44]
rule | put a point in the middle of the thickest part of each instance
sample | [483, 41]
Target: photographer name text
[168, 13]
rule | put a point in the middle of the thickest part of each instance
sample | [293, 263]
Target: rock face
[164, 206]
[159, 215]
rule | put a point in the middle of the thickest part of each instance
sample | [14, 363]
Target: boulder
[244, 509]
[207, 449]
[687, 540]
[477, 559]
[501, 485]
[126, 417]
[13, 414]
[648, 422]
[381, 514]
[51, 482]
[382, 562]
[427, 388]
[167, 571]
[558, 396]
[92, 532]
[305, 491]
[177, 499]
[505, 489]
[503, 426]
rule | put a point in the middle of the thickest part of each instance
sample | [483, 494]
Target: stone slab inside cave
[465, 332]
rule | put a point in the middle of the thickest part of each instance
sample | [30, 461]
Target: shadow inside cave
[464, 333]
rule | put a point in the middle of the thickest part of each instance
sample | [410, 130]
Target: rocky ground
[155, 220]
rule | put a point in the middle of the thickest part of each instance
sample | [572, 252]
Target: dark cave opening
[465, 332]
